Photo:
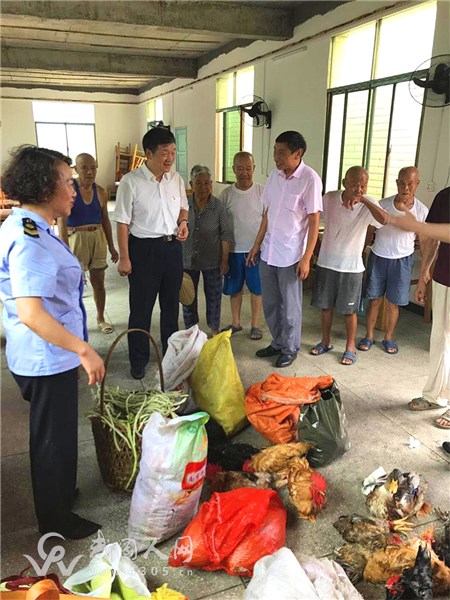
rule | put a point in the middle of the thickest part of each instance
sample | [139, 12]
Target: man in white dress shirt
[151, 214]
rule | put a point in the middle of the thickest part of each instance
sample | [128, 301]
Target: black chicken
[230, 457]
[415, 583]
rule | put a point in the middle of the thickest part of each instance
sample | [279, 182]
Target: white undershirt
[245, 209]
[391, 242]
[345, 232]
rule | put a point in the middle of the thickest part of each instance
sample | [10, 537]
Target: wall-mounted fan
[257, 112]
[434, 79]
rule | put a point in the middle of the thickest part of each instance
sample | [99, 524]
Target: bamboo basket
[116, 466]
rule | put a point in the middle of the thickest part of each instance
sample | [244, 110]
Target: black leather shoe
[267, 352]
[446, 446]
[73, 527]
[285, 360]
[137, 372]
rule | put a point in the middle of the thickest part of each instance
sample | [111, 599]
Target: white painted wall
[116, 120]
[114, 123]
[17, 125]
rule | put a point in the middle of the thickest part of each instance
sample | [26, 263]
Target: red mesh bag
[234, 530]
[273, 406]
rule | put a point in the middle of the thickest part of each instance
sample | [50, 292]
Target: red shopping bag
[234, 530]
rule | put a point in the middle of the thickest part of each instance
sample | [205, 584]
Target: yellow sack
[216, 384]
[165, 593]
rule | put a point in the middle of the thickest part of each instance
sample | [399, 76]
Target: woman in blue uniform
[45, 325]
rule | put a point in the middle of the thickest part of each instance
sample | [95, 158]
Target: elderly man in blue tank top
[87, 230]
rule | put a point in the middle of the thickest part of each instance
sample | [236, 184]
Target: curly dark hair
[31, 176]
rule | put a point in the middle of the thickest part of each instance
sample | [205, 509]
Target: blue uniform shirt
[36, 263]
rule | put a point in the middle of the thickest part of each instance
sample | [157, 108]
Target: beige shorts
[90, 247]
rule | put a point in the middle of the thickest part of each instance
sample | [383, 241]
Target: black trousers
[157, 269]
[53, 442]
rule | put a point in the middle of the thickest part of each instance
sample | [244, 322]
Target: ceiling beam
[71, 88]
[233, 18]
[97, 62]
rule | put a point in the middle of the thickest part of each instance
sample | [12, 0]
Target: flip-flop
[255, 333]
[446, 417]
[321, 349]
[418, 404]
[105, 327]
[233, 329]
[350, 356]
[390, 346]
[365, 342]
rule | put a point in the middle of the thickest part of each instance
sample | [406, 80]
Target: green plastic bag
[324, 425]
[216, 384]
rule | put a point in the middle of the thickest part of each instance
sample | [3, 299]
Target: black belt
[167, 238]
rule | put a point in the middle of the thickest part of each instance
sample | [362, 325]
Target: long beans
[126, 414]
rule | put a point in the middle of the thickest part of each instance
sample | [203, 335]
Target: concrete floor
[374, 391]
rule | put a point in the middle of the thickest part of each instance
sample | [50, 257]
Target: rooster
[373, 534]
[353, 558]
[275, 459]
[307, 489]
[415, 583]
[400, 497]
[392, 561]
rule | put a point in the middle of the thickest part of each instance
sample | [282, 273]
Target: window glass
[225, 91]
[355, 127]
[406, 41]
[52, 136]
[232, 134]
[334, 143]
[244, 85]
[378, 137]
[80, 138]
[404, 135]
[352, 55]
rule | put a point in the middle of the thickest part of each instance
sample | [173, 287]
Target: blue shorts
[239, 272]
[390, 276]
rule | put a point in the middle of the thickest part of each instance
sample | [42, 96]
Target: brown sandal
[446, 418]
[421, 403]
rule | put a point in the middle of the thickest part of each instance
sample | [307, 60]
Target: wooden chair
[123, 157]
[137, 160]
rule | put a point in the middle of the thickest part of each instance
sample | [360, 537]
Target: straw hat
[187, 290]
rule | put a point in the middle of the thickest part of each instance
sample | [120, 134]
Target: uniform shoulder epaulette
[29, 227]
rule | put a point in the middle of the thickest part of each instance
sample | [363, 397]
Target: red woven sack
[273, 406]
[234, 530]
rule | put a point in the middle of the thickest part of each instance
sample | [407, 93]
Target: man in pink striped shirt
[292, 201]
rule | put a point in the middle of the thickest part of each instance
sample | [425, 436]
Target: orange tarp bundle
[273, 406]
